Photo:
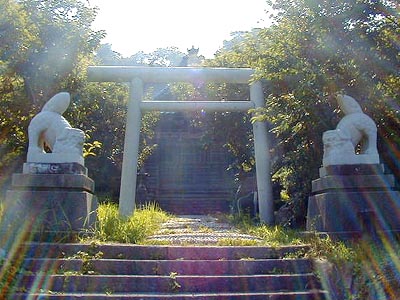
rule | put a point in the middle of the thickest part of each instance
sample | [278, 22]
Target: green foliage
[112, 227]
[173, 282]
[324, 247]
[276, 236]
[161, 57]
[100, 110]
[45, 43]
[43, 47]
[147, 146]
[271, 235]
[312, 51]
[90, 148]
[237, 242]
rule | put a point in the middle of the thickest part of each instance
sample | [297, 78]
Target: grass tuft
[111, 227]
[271, 235]
[334, 251]
[237, 242]
[276, 235]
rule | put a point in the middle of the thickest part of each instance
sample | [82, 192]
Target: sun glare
[134, 26]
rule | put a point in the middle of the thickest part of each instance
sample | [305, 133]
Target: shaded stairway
[79, 271]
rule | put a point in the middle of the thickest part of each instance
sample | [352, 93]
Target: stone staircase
[195, 203]
[116, 271]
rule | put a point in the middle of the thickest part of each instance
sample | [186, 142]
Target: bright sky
[146, 25]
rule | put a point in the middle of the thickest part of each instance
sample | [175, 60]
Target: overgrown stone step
[173, 283]
[115, 271]
[124, 251]
[165, 267]
[309, 295]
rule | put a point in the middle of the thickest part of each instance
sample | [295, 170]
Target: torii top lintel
[171, 74]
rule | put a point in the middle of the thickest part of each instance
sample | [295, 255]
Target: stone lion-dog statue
[50, 129]
[354, 139]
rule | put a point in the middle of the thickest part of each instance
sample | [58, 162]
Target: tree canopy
[44, 46]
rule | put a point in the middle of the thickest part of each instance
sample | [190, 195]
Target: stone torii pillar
[137, 76]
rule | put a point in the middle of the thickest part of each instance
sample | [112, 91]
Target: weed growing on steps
[237, 242]
[271, 235]
[275, 236]
[87, 267]
[173, 283]
[326, 248]
[157, 242]
[111, 227]
[205, 229]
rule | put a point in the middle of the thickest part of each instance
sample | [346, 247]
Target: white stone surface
[49, 128]
[355, 128]
[56, 158]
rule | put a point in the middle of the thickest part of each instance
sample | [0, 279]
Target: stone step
[168, 284]
[193, 205]
[309, 295]
[136, 252]
[203, 238]
[196, 224]
[120, 271]
[165, 267]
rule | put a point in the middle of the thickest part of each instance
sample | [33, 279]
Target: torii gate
[138, 76]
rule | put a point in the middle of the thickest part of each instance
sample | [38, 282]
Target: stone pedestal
[50, 201]
[351, 200]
